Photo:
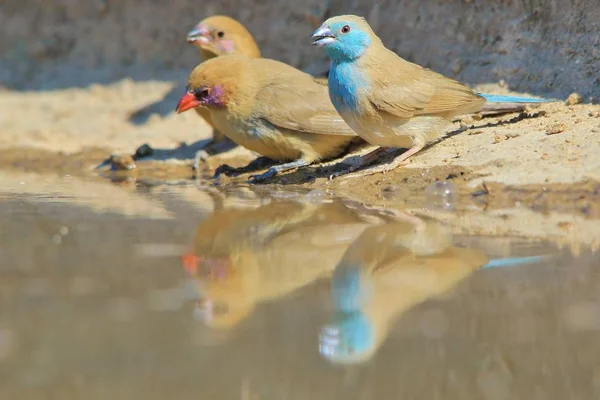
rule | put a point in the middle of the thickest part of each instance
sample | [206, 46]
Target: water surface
[130, 291]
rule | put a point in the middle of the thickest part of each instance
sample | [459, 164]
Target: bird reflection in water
[386, 271]
[244, 257]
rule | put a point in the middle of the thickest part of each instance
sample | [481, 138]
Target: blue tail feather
[510, 261]
[496, 98]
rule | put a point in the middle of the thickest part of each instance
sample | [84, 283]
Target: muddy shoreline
[496, 162]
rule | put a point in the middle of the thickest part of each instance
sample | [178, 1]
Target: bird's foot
[277, 169]
[400, 160]
[226, 170]
[256, 164]
[359, 162]
[271, 172]
[383, 168]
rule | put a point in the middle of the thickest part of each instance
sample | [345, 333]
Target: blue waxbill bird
[388, 101]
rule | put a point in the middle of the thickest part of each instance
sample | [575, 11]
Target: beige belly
[396, 132]
[256, 137]
[280, 144]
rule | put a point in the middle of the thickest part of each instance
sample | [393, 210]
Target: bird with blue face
[388, 101]
[388, 270]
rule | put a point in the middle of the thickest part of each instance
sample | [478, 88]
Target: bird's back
[406, 89]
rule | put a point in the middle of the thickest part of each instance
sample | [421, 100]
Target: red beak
[187, 101]
[190, 263]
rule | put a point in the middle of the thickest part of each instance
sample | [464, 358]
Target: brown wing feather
[293, 100]
[405, 89]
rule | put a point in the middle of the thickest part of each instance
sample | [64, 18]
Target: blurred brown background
[545, 47]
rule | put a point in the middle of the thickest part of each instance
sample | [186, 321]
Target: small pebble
[554, 129]
[574, 98]
[124, 162]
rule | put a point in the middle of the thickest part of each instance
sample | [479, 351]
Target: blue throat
[345, 82]
[348, 48]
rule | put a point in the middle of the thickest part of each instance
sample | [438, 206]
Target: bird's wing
[301, 105]
[405, 90]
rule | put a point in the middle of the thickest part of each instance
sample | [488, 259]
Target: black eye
[345, 29]
[220, 34]
[201, 93]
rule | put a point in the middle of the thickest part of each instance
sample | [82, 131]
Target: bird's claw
[262, 177]
[336, 174]
[349, 170]
[225, 170]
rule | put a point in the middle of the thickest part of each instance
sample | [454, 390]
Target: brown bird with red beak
[270, 108]
[218, 35]
[215, 36]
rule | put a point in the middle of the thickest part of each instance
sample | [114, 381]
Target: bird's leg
[215, 146]
[277, 169]
[256, 164]
[395, 163]
[358, 162]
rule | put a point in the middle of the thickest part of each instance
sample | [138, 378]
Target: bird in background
[215, 36]
[244, 257]
[388, 270]
[388, 101]
[219, 34]
[270, 108]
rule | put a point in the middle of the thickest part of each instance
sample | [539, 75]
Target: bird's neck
[347, 54]
[345, 82]
[206, 54]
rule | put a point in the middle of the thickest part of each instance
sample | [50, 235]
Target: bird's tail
[500, 104]
[513, 261]
[497, 98]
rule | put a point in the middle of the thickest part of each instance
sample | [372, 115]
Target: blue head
[349, 338]
[345, 38]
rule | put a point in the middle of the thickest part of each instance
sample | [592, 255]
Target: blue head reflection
[350, 336]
